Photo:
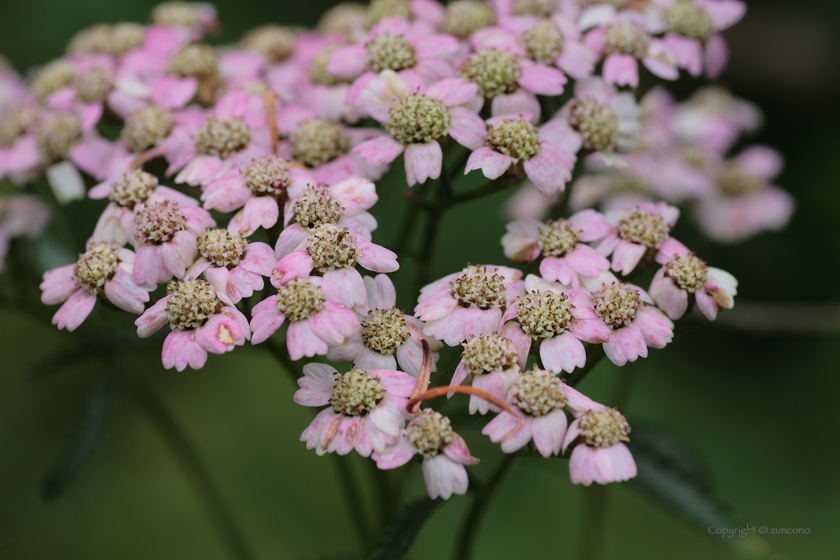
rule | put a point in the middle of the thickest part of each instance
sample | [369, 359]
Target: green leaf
[85, 441]
[673, 475]
[401, 533]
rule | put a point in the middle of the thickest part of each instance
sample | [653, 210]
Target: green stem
[593, 358]
[592, 522]
[385, 498]
[353, 500]
[180, 445]
[474, 515]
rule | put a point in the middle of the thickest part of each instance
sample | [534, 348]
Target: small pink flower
[417, 117]
[85, 96]
[600, 454]
[202, 320]
[194, 18]
[713, 119]
[386, 336]
[468, 303]
[512, 140]
[333, 251]
[167, 239]
[635, 322]
[490, 363]
[315, 322]
[232, 264]
[444, 454]
[560, 243]
[693, 31]
[393, 45]
[557, 319]
[636, 233]
[682, 275]
[746, 203]
[625, 42]
[103, 270]
[539, 398]
[366, 408]
[133, 189]
[21, 215]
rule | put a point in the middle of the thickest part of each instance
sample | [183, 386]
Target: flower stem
[592, 522]
[474, 515]
[593, 358]
[180, 445]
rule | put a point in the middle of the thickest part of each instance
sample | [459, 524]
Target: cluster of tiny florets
[626, 37]
[223, 248]
[318, 69]
[596, 123]
[543, 42]
[133, 187]
[418, 119]
[478, 287]
[429, 432]
[57, 133]
[557, 238]
[617, 304]
[384, 330]
[493, 70]
[544, 314]
[268, 175]
[145, 128]
[688, 272]
[487, 353]
[316, 207]
[734, 182]
[465, 17]
[319, 141]
[51, 78]
[644, 228]
[604, 427]
[379, 9]
[389, 52]
[222, 137]
[191, 304]
[96, 266]
[356, 393]
[332, 247]
[274, 42]
[689, 20]
[198, 61]
[517, 138]
[299, 299]
[158, 222]
[534, 7]
[116, 39]
[538, 392]
[186, 14]
[14, 121]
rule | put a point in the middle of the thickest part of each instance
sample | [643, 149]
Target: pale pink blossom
[386, 338]
[468, 303]
[103, 271]
[315, 322]
[600, 454]
[167, 239]
[417, 117]
[21, 215]
[512, 140]
[683, 275]
[333, 252]
[444, 454]
[556, 319]
[713, 119]
[637, 233]
[365, 412]
[630, 313]
[561, 244]
[195, 19]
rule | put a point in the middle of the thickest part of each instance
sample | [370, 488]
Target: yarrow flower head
[636, 233]
[490, 363]
[444, 454]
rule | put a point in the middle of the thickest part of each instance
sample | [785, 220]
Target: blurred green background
[761, 409]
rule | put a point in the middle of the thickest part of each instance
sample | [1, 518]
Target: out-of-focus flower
[20, 216]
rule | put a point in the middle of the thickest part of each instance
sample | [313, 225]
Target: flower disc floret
[487, 353]
[626, 37]
[223, 248]
[379, 9]
[57, 133]
[617, 304]
[126, 36]
[544, 314]
[596, 123]
[299, 299]
[476, 287]
[94, 85]
[144, 129]
[688, 272]
[51, 78]
[356, 393]
[95, 267]
[604, 427]
[494, 71]
[389, 52]
[557, 238]
[384, 330]
[14, 121]
[689, 20]
[429, 432]
[316, 207]
[543, 42]
[186, 14]
[644, 228]
[319, 141]
[332, 247]
[534, 7]
[538, 392]
[158, 222]
[733, 182]
[418, 119]
[198, 61]
[222, 137]
[465, 17]
[517, 138]
[318, 73]
[268, 176]
[191, 304]
[134, 187]
[274, 42]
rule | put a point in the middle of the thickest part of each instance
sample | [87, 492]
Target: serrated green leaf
[85, 441]
[401, 533]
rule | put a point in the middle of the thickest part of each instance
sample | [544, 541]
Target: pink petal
[444, 477]
[422, 162]
[626, 256]
[376, 258]
[521, 101]
[467, 128]
[542, 80]
[125, 294]
[717, 56]
[626, 345]
[219, 335]
[379, 151]
[452, 91]
[551, 169]
[180, 349]
[347, 62]
[302, 341]
[621, 70]
[562, 353]
[297, 264]
[492, 164]
[74, 311]
[344, 286]
[548, 432]
[481, 321]
[334, 323]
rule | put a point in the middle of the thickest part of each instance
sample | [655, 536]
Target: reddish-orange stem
[414, 403]
[423, 378]
[269, 99]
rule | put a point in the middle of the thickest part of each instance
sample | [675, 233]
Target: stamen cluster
[617, 304]
[495, 71]
[544, 314]
[644, 228]
[145, 128]
[222, 137]
[158, 222]
[332, 247]
[134, 187]
[191, 304]
[222, 247]
[356, 393]
[476, 287]
[319, 141]
[299, 299]
[596, 123]
[538, 392]
[384, 330]
[95, 267]
[429, 432]
[487, 353]
[604, 427]
[517, 138]
[418, 119]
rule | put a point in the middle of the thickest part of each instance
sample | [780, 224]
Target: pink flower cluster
[266, 173]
